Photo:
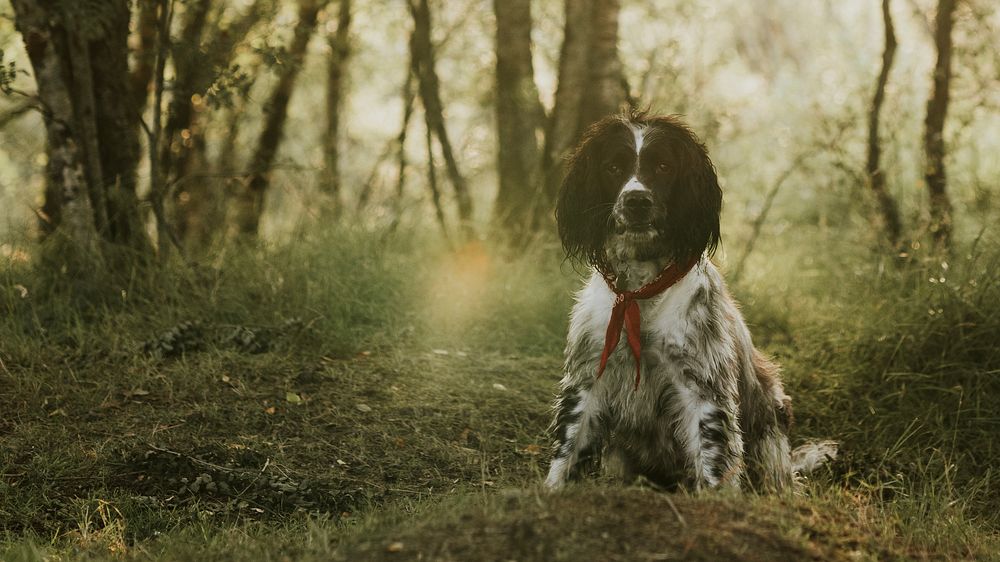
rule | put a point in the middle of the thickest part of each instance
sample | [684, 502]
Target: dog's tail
[812, 455]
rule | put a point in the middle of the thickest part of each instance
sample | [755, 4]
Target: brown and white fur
[710, 410]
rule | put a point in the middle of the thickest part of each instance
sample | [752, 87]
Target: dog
[687, 401]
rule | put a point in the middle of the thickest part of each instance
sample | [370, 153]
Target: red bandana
[626, 312]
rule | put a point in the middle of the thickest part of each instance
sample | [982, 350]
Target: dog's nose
[637, 206]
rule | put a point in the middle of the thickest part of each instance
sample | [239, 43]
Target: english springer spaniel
[688, 401]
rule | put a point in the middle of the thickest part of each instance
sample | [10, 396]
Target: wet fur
[710, 410]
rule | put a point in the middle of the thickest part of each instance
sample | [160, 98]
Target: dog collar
[625, 311]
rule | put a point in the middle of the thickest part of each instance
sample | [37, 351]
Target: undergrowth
[300, 390]
[899, 360]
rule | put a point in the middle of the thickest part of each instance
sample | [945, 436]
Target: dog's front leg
[578, 434]
[711, 436]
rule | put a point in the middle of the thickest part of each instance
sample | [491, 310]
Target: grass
[360, 396]
[905, 358]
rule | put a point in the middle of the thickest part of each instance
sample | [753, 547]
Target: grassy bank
[368, 396]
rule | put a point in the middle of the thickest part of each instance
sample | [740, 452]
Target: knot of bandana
[625, 312]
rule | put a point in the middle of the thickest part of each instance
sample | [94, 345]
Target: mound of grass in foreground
[616, 524]
[349, 392]
[600, 521]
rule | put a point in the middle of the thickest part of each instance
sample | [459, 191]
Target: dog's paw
[557, 475]
[810, 456]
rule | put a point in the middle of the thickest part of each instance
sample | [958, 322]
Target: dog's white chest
[664, 318]
[665, 350]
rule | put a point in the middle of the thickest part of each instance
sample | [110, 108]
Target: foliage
[231, 83]
[8, 73]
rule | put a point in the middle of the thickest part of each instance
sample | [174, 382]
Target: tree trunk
[188, 63]
[85, 123]
[249, 201]
[607, 91]
[80, 59]
[409, 96]
[518, 119]
[145, 56]
[67, 207]
[560, 134]
[157, 185]
[198, 57]
[429, 87]
[937, 110]
[203, 197]
[886, 205]
[340, 50]
[432, 182]
[590, 86]
[118, 134]
[200, 198]
[227, 163]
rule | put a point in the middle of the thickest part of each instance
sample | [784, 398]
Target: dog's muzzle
[634, 211]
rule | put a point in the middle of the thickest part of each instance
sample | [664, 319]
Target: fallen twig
[677, 514]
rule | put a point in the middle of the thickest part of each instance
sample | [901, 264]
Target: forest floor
[295, 412]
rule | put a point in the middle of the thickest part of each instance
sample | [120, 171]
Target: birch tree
[79, 55]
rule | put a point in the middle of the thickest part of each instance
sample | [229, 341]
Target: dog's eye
[662, 167]
[614, 169]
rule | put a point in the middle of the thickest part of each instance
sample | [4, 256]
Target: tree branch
[165, 236]
[758, 222]
[18, 110]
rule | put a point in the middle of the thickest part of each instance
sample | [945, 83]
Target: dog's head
[639, 187]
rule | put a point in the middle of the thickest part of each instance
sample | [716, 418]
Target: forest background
[278, 278]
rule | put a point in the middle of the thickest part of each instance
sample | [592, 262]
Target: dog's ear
[705, 184]
[578, 207]
[695, 229]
